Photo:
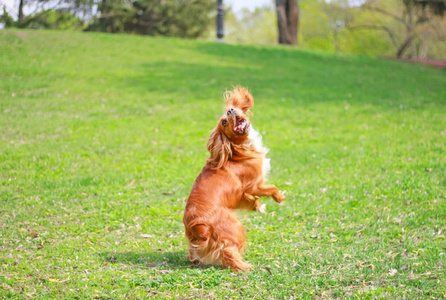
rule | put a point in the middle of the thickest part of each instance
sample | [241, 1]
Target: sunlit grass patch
[103, 136]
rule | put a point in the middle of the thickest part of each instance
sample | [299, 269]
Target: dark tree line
[181, 18]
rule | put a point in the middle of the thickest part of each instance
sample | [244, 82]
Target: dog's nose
[230, 111]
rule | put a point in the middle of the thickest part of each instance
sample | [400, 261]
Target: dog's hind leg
[231, 235]
[232, 259]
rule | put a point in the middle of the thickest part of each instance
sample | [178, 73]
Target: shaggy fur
[233, 178]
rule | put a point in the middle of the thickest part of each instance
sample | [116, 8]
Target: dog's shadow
[149, 260]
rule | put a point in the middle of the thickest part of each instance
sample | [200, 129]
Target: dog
[233, 178]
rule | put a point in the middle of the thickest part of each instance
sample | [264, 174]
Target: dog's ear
[220, 148]
[239, 98]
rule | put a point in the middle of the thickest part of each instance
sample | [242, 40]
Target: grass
[102, 137]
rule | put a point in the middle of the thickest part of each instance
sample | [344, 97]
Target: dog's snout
[230, 111]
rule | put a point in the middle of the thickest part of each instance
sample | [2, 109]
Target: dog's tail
[218, 239]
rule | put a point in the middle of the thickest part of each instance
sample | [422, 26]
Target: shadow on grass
[150, 260]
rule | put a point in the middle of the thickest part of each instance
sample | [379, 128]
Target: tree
[6, 19]
[287, 21]
[82, 9]
[53, 19]
[20, 14]
[181, 18]
[339, 15]
[414, 14]
[437, 7]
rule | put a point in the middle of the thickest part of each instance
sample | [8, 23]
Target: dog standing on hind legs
[233, 178]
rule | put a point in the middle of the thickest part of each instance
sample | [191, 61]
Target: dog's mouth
[241, 126]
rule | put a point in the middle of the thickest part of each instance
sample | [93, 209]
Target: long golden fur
[231, 179]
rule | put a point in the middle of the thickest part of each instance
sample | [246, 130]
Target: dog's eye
[224, 122]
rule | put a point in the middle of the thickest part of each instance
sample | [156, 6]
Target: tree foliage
[250, 27]
[437, 7]
[376, 27]
[53, 19]
[181, 18]
[412, 16]
[6, 18]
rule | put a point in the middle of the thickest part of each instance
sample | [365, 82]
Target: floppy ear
[220, 148]
[239, 98]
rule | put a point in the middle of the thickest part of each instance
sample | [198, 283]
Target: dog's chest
[255, 139]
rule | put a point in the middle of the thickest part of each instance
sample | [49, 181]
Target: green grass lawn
[102, 137]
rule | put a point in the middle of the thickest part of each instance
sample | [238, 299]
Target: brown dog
[233, 177]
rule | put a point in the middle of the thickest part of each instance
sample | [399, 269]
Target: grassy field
[102, 137]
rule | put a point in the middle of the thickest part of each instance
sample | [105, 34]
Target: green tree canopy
[181, 18]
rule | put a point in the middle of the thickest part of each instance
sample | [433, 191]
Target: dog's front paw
[262, 209]
[250, 197]
[279, 197]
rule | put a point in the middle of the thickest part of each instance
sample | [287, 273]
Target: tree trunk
[403, 47]
[424, 45]
[410, 29]
[288, 21]
[102, 7]
[336, 41]
[293, 21]
[21, 15]
[412, 47]
[281, 22]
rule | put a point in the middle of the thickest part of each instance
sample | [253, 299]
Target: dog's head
[232, 128]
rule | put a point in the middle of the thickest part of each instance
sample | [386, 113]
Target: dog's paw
[279, 197]
[262, 209]
[250, 197]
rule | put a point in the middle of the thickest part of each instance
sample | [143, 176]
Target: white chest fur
[255, 138]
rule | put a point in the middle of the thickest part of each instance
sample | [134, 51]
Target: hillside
[103, 136]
